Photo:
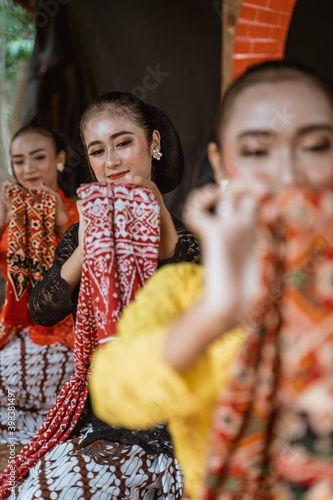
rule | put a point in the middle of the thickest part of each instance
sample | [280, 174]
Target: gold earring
[223, 184]
[157, 154]
[60, 167]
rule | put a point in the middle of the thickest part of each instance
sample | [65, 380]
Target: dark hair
[166, 172]
[267, 72]
[59, 140]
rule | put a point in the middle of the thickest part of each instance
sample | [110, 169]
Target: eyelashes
[124, 143]
[257, 153]
[253, 152]
[121, 144]
[96, 152]
[21, 162]
[324, 146]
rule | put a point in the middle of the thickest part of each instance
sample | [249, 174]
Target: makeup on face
[116, 146]
[281, 132]
[34, 160]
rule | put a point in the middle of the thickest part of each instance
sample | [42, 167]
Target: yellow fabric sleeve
[131, 386]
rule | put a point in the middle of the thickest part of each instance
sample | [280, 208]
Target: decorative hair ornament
[60, 167]
[157, 154]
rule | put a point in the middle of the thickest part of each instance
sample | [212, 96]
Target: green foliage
[19, 38]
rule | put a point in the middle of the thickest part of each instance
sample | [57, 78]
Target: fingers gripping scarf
[273, 431]
[31, 246]
[121, 243]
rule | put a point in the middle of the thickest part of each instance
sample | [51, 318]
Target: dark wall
[310, 37]
[166, 52]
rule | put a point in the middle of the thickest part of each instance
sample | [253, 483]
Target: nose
[29, 165]
[287, 171]
[113, 159]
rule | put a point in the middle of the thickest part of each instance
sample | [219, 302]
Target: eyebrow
[304, 130]
[31, 152]
[113, 136]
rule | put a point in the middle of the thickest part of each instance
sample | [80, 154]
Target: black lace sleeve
[50, 300]
[187, 248]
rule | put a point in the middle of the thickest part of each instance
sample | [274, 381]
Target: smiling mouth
[32, 179]
[117, 175]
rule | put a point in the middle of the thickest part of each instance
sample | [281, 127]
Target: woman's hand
[61, 218]
[169, 236]
[5, 205]
[226, 227]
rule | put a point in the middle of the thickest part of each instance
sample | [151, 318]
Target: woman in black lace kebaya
[126, 141]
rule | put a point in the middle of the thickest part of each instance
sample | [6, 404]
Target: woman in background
[127, 142]
[34, 362]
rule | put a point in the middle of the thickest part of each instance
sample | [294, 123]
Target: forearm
[210, 318]
[60, 227]
[72, 269]
[189, 338]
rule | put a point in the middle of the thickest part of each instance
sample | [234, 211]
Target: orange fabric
[73, 217]
[70, 209]
[63, 332]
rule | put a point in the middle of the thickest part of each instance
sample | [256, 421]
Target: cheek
[97, 166]
[140, 161]
[230, 164]
[319, 174]
[134, 156]
[18, 172]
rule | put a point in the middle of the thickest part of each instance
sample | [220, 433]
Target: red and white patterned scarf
[273, 430]
[121, 242]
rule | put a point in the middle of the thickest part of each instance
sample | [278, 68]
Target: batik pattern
[273, 431]
[36, 374]
[31, 244]
[103, 471]
[103, 224]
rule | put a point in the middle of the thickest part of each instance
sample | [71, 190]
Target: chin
[32, 185]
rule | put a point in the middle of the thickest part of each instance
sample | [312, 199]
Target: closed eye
[96, 152]
[254, 152]
[324, 146]
[124, 143]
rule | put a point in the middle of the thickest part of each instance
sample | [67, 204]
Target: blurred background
[180, 55]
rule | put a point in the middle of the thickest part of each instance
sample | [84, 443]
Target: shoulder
[176, 274]
[174, 285]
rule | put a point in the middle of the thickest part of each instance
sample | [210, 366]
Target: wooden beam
[230, 13]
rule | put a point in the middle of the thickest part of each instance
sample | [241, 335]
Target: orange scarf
[30, 252]
[273, 432]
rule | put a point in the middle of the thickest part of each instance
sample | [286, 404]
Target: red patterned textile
[31, 246]
[120, 253]
[273, 430]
